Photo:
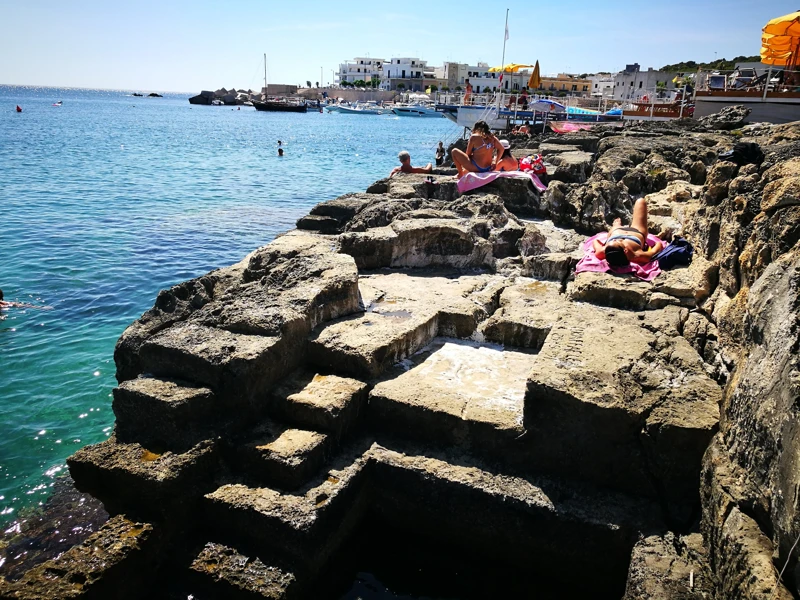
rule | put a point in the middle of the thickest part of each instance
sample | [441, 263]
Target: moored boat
[416, 110]
[657, 111]
[279, 106]
[370, 108]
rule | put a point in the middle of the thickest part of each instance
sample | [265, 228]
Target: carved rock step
[198, 331]
[163, 414]
[456, 392]
[404, 313]
[302, 528]
[462, 300]
[531, 519]
[528, 310]
[618, 400]
[282, 457]
[321, 402]
[560, 527]
[611, 402]
[685, 286]
[131, 477]
[552, 265]
[368, 344]
[108, 564]
[238, 367]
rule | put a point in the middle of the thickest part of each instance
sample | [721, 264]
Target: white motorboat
[416, 110]
[370, 108]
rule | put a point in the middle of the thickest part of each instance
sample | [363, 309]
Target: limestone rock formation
[730, 117]
[414, 357]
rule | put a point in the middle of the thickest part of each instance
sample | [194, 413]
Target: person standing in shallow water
[440, 154]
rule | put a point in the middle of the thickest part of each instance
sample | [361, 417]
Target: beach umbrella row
[780, 40]
[534, 81]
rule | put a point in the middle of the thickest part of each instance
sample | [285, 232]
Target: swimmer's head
[1, 294]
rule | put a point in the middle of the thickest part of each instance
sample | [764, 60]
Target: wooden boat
[279, 106]
[656, 111]
[268, 105]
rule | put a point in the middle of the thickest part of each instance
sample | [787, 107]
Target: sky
[177, 45]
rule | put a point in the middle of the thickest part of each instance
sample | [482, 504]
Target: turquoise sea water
[110, 198]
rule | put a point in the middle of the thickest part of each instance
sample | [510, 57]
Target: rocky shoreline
[414, 357]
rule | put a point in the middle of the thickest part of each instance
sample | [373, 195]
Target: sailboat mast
[266, 89]
[503, 61]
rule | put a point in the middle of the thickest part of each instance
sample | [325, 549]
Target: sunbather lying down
[625, 245]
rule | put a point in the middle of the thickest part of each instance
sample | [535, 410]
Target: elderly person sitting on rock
[405, 165]
[625, 245]
[480, 151]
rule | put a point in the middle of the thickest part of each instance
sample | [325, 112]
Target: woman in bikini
[480, 151]
[625, 245]
[506, 162]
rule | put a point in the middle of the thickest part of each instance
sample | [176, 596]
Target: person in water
[405, 165]
[280, 151]
[440, 152]
[506, 162]
[480, 151]
[4, 304]
[625, 245]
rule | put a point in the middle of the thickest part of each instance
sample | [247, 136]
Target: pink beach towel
[472, 181]
[590, 262]
[568, 126]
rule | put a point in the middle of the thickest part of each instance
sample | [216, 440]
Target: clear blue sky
[201, 44]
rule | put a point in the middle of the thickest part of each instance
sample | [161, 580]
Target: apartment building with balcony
[411, 73]
[360, 69]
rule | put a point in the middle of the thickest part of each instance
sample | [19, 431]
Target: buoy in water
[19, 108]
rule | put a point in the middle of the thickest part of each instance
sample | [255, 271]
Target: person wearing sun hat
[506, 162]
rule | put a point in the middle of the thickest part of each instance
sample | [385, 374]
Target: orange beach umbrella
[535, 79]
[509, 68]
[785, 25]
[780, 40]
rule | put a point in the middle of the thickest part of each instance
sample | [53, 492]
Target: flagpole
[503, 61]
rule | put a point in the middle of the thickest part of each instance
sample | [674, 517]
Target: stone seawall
[428, 362]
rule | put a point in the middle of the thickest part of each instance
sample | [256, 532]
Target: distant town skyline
[187, 46]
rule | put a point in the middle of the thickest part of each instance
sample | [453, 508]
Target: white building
[411, 73]
[634, 84]
[360, 69]
[602, 85]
